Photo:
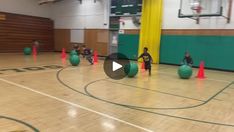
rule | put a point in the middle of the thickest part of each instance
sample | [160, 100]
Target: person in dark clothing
[188, 59]
[147, 59]
[87, 53]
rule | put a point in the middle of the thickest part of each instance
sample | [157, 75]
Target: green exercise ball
[73, 52]
[74, 60]
[27, 51]
[131, 69]
[185, 72]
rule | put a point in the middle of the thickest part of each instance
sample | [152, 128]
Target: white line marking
[76, 105]
[28, 73]
[38, 72]
[39, 65]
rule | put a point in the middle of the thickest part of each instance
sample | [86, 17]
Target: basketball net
[196, 8]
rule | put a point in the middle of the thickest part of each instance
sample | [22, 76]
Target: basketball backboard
[197, 9]
[209, 8]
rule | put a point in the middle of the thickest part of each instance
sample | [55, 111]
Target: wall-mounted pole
[229, 11]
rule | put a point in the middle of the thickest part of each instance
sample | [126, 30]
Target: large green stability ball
[131, 69]
[185, 72]
[27, 51]
[74, 60]
[73, 52]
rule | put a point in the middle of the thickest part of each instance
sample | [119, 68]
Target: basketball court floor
[45, 94]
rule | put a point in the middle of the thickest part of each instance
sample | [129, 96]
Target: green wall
[216, 51]
[128, 45]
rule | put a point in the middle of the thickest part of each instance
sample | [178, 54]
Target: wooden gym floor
[44, 94]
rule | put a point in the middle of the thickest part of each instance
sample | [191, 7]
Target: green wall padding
[216, 51]
[128, 45]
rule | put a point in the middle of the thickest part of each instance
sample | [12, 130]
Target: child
[147, 59]
[76, 48]
[88, 54]
[188, 59]
[36, 45]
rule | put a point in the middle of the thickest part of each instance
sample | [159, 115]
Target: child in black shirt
[147, 59]
[188, 59]
[87, 53]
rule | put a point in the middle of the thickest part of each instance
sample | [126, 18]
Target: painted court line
[28, 73]
[38, 72]
[211, 79]
[52, 70]
[23, 66]
[76, 105]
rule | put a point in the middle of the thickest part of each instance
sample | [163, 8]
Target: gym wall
[25, 7]
[213, 46]
[25, 21]
[91, 17]
[171, 20]
[211, 41]
[62, 39]
[71, 14]
[96, 39]
[19, 31]
[128, 42]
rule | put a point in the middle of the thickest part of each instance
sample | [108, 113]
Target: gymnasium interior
[116, 66]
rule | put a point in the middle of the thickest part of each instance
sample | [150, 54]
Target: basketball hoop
[196, 6]
[196, 9]
[203, 9]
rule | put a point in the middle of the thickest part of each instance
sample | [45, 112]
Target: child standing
[87, 53]
[36, 44]
[76, 47]
[147, 59]
[187, 59]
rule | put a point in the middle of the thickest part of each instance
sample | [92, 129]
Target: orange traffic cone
[95, 57]
[34, 50]
[64, 62]
[201, 71]
[63, 55]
